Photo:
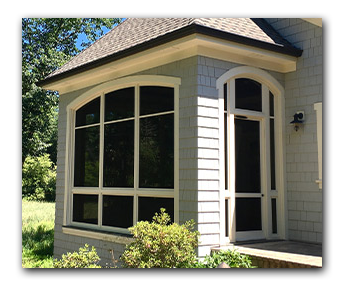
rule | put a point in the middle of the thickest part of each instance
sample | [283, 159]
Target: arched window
[123, 154]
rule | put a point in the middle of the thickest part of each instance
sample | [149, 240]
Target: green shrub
[231, 257]
[159, 245]
[38, 178]
[82, 259]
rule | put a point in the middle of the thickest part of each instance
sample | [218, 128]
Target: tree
[48, 43]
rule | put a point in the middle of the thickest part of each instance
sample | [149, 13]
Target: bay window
[124, 157]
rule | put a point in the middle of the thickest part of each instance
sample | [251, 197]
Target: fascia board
[157, 56]
[244, 54]
[192, 45]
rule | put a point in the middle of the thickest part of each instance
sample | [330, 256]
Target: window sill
[99, 235]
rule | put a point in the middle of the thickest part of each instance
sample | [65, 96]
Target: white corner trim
[98, 235]
[318, 109]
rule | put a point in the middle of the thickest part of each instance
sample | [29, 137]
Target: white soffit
[315, 21]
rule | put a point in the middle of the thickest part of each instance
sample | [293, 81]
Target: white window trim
[277, 89]
[318, 108]
[131, 81]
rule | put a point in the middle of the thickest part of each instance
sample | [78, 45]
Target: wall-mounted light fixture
[298, 120]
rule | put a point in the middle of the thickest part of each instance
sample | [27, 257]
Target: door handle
[262, 195]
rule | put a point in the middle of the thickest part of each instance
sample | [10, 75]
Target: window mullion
[136, 153]
[70, 182]
[101, 143]
[101, 159]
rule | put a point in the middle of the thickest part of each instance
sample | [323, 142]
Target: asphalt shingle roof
[134, 32]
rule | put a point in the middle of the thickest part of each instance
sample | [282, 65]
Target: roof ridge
[191, 20]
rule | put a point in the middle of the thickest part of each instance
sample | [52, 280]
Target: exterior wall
[303, 89]
[209, 222]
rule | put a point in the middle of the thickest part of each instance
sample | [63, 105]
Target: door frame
[269, 83]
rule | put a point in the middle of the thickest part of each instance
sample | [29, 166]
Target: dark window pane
[119, 104]
[248, 94]
[86, 159]
[226, 217]
[225, 97]
[118, 211]
[89, 113]
[155, 99]
[271, 104]
[247, 147]
[248, 214]
[148, 206]
[274, 215]
[85, 208]
[156, 161]
[273, 155]
[226, 149]
[119, 154]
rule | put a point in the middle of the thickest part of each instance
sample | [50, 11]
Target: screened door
[248, 194]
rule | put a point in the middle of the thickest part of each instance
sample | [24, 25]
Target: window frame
[136, 192]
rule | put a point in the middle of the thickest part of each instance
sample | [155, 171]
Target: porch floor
[280, 254]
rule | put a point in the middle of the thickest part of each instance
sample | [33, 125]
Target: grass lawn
[37, 234]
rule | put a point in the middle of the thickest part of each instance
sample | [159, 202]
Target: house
[194, 115]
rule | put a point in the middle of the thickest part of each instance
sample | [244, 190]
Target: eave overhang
[180, 44]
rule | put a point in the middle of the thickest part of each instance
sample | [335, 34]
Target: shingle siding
[303, 88]
[208, 151]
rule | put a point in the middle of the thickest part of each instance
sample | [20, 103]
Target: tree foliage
[48, 43]
[38, 178]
